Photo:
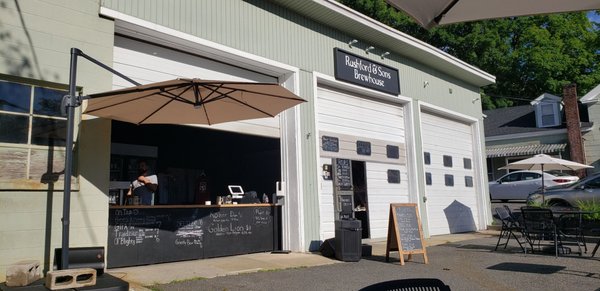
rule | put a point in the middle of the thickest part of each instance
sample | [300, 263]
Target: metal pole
[71, 104]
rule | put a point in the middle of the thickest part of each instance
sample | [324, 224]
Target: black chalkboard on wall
[140, 236]
[343, 174]
[405, 233]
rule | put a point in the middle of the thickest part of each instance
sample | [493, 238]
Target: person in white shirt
[145, 185]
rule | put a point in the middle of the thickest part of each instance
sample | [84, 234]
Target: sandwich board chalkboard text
[405, 233]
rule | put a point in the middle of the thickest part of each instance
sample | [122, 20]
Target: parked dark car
[587, 189]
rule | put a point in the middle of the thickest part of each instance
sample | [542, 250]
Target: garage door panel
[381, 194]
[450, 208]
[349, 119]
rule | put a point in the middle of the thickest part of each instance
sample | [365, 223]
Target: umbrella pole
[72, 102]
[543, 189]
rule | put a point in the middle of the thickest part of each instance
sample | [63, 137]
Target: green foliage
[592, 206]
[528, 55]
[540, 204]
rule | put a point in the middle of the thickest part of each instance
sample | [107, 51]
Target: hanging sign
[363, 72]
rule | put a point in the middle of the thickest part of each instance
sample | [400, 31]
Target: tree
[528, 55]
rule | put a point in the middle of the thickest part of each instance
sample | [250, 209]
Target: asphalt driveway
[465, 265]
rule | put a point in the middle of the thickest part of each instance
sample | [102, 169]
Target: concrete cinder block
[22, 273]
[70, 278]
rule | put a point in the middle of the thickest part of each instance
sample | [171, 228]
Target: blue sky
[593, 16]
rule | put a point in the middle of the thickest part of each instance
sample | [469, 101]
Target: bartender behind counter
[145, 185]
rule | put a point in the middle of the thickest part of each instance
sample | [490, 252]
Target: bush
[591, 206]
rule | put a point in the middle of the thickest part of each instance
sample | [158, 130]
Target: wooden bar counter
[141, 235]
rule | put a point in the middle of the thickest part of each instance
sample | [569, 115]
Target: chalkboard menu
[346, 206]
[330, 143]
[404, 231]
[139, 236]
[343, 174]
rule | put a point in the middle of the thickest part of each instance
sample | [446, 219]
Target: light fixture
[350, 43]
[475, 100]
[384, 54]
[425, 84]
[368, 49]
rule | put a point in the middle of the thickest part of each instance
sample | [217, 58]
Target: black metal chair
[510, 226]
[421, 284]
[570, 230]
[539, 226]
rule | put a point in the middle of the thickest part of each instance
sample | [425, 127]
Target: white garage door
[148, 63]
[351, 118]
[450, 192]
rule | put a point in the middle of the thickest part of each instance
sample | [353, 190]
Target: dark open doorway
[186, 154]
[361, 205]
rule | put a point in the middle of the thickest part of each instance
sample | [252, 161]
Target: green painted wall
[35, 40]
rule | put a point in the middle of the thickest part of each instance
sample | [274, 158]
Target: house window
[32, 134]
[31, 115]
[547, 114]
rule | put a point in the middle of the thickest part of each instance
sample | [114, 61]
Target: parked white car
[519, 184]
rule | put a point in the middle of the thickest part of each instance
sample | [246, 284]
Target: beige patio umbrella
[192, 101]
[430, 13]
[543, 163]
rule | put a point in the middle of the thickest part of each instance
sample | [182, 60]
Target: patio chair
[570, 230]
[509, 227]
[538, 226]
[421, 284]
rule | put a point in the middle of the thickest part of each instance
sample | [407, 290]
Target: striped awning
[523, 150]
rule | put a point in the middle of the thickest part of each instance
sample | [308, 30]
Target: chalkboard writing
[346, 206]
[404, 231]
[153, 235]
[343, 174]
[363, 148]
[392, 152]
[330, 143]
[408, 227]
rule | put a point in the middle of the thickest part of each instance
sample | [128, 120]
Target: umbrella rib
[226, 95]
[164, 94]
[155, 111]
[173, 97]
[208, 86]
[118, 103]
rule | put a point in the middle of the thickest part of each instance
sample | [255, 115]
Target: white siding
[382, 194]
[450, 209]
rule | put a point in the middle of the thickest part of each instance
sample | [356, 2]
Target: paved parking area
[463, 265]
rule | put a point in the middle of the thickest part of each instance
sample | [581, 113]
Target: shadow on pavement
[542, 269]
[527, 268]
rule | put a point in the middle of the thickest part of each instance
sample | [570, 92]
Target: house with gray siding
[519, 132]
